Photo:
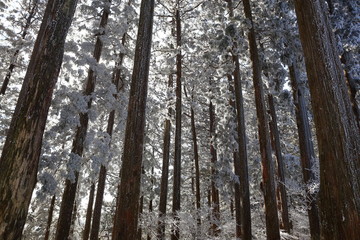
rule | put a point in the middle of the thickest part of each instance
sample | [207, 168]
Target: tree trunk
[62, 231]
[177, 162]
[272, 221]
[214, 191]
[50, 217]
[164, 173]
[275, 139]
[73, 220]
[32, 12]
[306, 152]
[242, 193]
[24, 139]
[127, 209]
[336, 127]
[89, 212]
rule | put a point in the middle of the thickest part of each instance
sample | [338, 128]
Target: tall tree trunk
[214, 191]
[116, 79]
[164, 172]
[73, 220]
[242, 193]
[32, 12]
[275, 139]
[272, 221]
[336, 127]
[306, 151]
[62, 231]
[127, 209]
[24, 138]
[177, 162]
[50, 217]
[89, 212]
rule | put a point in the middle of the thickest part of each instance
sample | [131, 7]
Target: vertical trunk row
[29, 19]
[127, 209]
[336, 126]
[306, 151]
[164, 172]
[24, 138]
[214, 191]
[272, 221]
[242, 193]
[177, 162]
[275, 139]
[62, 231]
[50, 217]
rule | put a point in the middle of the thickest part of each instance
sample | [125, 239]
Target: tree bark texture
[32, 12]
[242, 193]
[21, 152]
[275, 139]
[89, 213]
[62, 231]
[336, 127]
[127, 209]
[272, 221]
[307, 153]
[50, 217]
[178, 110]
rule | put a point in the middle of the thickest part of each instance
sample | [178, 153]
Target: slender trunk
[306, 151]
[177, 162]
[127, 209]
[214, 191]
[28, 22]
[73, 221]
[242, 193]
[62, 231]
[272, 221]
[89, 212]
[336, 126]
[95, 226]
[50, 217]
[139, 233]
[275, 139]
[24, 138]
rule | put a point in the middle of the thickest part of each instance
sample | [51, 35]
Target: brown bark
[306, 151]
[62, 231]
[32, 12]
[242, 193]
[127, 209]
[336, 127]
[215, 200]
[24, 139]
[275, 139]
[89, 213]
[177, 161]
[272, 221]
[50, 217]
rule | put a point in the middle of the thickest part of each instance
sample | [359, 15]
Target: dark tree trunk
[336, 126]
[32, 12]
[50, 217]
[215, 200]
[62, 231]
[272, 221]
[242, 193]
[164, 173]
[127, 209]
[116, 79]
[177, 162]
[275, 139]
[89, 212]
[73, 220]
[306, 151]
[24, 139]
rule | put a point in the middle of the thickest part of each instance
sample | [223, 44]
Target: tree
[127, 209]
[21, 152]
[336, 127]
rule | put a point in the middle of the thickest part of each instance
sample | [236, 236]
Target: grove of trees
[179, 119]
